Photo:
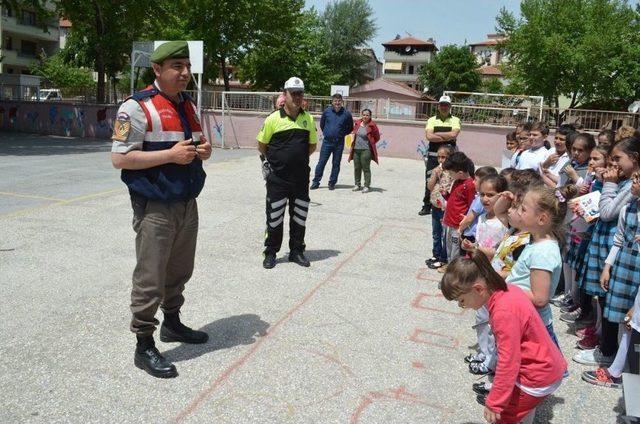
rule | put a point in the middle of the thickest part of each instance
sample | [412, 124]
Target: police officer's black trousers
[278, 195]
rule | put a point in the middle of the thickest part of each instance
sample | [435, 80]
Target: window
[28, 48]
[7, 11]
[411, 70]
[28, 18]
[7, 43]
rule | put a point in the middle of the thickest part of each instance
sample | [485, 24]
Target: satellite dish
[407, 49]
[634, 107]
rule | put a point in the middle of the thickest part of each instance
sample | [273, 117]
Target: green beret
[170, 50]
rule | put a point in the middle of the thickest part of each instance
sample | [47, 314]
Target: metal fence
[382, 108]
[590, 120]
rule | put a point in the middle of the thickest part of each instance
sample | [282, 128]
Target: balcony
[421, 57]
[402, 77]
[11, 24]
[15, 58]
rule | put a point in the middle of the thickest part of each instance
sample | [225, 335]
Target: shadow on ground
[224, 333]
[544, 412]
[320, 255]
[350, 187]
[312, 255]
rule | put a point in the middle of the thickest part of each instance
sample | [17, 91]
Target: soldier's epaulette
[141, 95]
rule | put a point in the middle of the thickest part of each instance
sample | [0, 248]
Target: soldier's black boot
[173, 330]
[149, 359]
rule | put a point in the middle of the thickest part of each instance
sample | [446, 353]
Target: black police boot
[269, 260]
[173, 330]
[148, 358]
[299, 258]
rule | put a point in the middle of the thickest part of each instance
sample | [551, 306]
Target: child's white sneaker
[593, 357]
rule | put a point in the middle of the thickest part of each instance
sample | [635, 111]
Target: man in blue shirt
[336, 122]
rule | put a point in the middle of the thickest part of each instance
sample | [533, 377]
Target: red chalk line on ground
[206, 393]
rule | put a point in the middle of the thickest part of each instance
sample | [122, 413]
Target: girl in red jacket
[530, 365]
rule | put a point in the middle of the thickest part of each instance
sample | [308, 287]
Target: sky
[446, 21]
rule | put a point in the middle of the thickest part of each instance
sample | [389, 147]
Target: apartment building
[24, 38]
[404, 57]
[373, 67]
[489, 57]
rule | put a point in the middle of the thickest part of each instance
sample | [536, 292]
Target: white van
[48, 94]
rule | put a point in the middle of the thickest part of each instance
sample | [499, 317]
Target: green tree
[297, 50]
[346, 25]
[231, 28]
[453, 68]
[492, 85]
[54, 70]
[585, 49]
[103, 31]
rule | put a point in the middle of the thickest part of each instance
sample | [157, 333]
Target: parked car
[48, 94]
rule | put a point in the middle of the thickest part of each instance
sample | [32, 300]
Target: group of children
[505, 242]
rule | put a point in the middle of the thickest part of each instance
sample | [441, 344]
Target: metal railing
[589, 119]
[382, 108]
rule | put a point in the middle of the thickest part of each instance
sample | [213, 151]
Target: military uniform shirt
[130, 127]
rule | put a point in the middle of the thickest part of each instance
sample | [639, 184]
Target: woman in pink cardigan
[530, 365]
[363, 149]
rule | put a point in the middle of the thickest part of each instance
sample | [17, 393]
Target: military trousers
[166, 235]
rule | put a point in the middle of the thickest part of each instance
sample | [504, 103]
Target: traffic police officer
[286, 140]
[158, 144]
[441, 130]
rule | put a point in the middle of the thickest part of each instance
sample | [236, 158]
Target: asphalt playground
[362, 336]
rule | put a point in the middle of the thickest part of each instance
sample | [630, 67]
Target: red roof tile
[490, 70]
[408, 41]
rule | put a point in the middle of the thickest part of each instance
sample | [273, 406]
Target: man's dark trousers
[279, 193]
[329, 147]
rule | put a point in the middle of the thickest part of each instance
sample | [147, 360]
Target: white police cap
[294, 84]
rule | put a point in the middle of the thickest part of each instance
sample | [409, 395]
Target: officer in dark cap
[159, 145]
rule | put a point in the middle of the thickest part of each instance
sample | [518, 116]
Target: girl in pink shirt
[530, 365]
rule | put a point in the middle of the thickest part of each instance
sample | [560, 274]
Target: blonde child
[530, 366]
[438, 184]
[537, 271]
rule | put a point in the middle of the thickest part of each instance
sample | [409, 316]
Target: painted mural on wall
[58, 119]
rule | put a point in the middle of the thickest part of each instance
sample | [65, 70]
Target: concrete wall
[398, 139]
[56, 118]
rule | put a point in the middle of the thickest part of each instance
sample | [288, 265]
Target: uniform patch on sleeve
[121, 129]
